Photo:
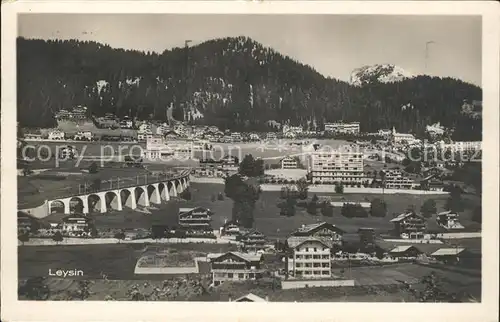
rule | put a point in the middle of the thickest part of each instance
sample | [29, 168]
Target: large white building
[461, 146]
[337, 166]
[56, 135]
[289, 162]
[157, 149]
[341, 127]
[310, 257]
[402, 138]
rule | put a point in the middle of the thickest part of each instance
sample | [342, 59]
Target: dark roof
[295, 241]
[311, 228]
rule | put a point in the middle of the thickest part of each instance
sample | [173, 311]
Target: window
[298, 265]
[230, 275]
[315, 249]
[324, 273]
[241, 275]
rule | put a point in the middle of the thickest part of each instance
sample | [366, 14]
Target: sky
[334, 45]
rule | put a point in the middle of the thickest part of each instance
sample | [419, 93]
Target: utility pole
[427, 52]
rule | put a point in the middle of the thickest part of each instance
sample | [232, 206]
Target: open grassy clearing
[266, 213]
[117, 261]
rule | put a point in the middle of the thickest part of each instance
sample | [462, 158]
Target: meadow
[267, 214]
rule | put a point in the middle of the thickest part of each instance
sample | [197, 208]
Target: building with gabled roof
[405, 251]
[253, 240]
[409, 225]
[449, 220]
[197, 218]
[235, 266]
[322, 230]
[250, 297]
[308, 257]
[451, 254]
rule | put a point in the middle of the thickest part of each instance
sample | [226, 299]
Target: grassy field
[270, 223]
[266, 213]
[117, 261]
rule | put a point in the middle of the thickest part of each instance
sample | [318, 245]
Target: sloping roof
[295, 241]
[311, 227]
[252, 231]
[404, 216]
[188, 210]
[244, 256]
[448, 251]
[402, 249]
[251, 297]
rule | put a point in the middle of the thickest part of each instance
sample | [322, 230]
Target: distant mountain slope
[386, 73]
[233, 83]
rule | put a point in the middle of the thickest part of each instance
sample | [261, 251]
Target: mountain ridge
[229, 82]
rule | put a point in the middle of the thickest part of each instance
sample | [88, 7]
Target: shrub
[220, 196]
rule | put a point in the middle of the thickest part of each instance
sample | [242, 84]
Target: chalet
[56, 135]
[450, 255]
[76, 224]
[253, 240]
[197, 218]
[289, 163]
[449, 220]
[230, 228]
[407, 251]
[229, 162]
[322, 230]
[32, 136]
[250, 297]
[308, 257]
[409, 225]
[235, 266]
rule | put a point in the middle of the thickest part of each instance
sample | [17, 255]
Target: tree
[35, 289]
[351, 210]
[327, 209]
[23, 237]
[339, 188]
[477, 215]
[288, 207]
[302, 188]
[428, 208]
[244, 195]
[378, 208]
[120, 235]
[251, 167]
[220, 196]
[58, 237]
[93, 168]
[454, 202]
[213, 198]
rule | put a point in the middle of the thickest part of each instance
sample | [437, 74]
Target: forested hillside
[231, 82]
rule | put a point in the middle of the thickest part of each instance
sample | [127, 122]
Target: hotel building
[343, 167]
[235, 266]
[289, 163]
[341, 127]
[309, 257]
[198, 218]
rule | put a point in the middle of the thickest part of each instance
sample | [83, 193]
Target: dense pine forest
[234, 83]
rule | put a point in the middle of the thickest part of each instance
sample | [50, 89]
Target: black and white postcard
[297, 154]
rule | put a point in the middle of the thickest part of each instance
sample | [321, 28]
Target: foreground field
[381, 284]
[117, 261]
